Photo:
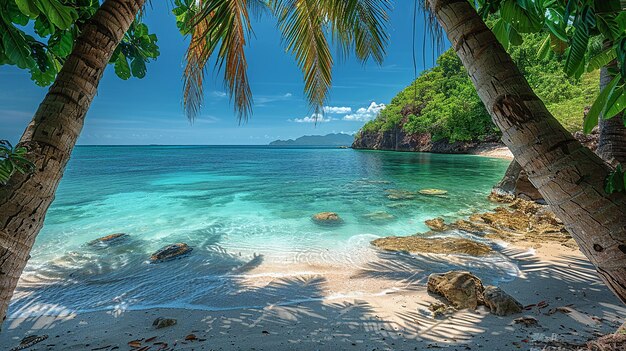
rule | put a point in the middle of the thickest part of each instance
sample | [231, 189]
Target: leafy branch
[13, 159]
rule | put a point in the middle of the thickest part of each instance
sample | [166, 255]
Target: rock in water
[328, 218]
[436, 224]
[433, 192]
[461, 289]
[400, 194]
[108, 240]
[419, 244]
[379, 216]
[500, 303]
[163, 322]
[170, 252]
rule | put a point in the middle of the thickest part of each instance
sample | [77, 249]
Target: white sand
[496, 150]
[391, 312]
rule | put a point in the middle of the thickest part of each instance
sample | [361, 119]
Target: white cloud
[218, 94]
[337, 109]
[365, 114]
[312, 119]
[262, 100]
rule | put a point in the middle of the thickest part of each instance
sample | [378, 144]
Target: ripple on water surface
[241, 209]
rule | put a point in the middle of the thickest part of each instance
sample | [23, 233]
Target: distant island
[334, 139]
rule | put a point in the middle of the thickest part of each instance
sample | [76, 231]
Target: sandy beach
[495, 150]
[381, 306]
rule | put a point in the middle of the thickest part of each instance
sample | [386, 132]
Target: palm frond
[221, 25]
[360, 25]
[433, 28]
[193, 74]
[302, 25]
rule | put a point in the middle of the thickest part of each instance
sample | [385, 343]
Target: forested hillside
[443, 103]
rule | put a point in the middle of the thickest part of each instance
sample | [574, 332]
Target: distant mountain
[338, 139]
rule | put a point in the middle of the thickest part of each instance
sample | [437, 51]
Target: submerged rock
[400, 194]
[109, 239]
[436, 224]
[170, 252]
[433, 192]
[327, 218]
[419, 244]
[163, 322]
[379, 216]
[461, 289]
[499, 302]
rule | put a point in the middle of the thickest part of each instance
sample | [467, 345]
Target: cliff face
[398, 140]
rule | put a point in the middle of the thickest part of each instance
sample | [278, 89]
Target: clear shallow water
[237, 207]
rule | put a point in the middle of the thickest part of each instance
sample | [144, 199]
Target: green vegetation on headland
[443, 102]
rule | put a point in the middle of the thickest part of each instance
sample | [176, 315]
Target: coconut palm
[569, 176]
[218, 28]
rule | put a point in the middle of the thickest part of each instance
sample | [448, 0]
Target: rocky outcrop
[420, 244]
[398, 140]
[327, 218]
[522, 222]
[170, 252]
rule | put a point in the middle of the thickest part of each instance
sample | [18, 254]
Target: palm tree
[569, 176]
[217, 27]
[612, 139]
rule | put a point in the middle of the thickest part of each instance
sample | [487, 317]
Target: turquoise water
[236, 206]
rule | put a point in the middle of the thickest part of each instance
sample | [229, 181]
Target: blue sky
[149, 110]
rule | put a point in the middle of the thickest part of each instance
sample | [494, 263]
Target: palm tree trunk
[612, 140]
[52, 135]
[568, 175]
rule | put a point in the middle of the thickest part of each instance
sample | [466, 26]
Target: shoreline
[395, 318]
[488, 149]
[494, 150]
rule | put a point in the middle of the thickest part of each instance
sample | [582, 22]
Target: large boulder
[170, 252]
[499, 302]
[420, 244]
[461, 289]
[327, 218]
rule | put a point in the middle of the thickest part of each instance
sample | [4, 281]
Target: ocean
[238, 207]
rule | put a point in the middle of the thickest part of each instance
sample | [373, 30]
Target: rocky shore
[524, 223]
[398, 140]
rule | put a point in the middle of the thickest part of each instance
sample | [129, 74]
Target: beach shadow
[300, 312]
